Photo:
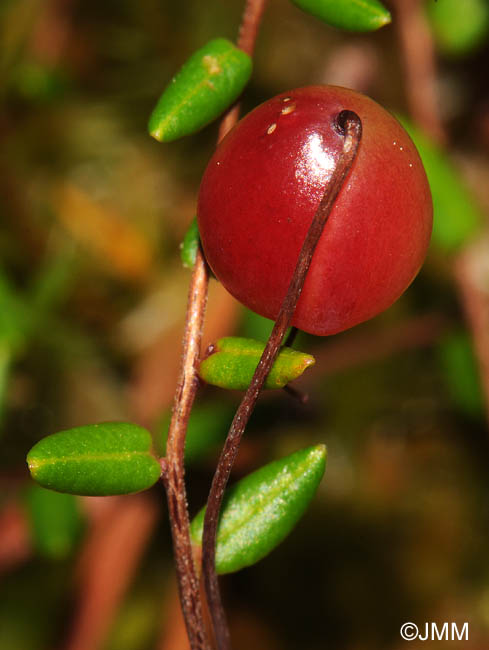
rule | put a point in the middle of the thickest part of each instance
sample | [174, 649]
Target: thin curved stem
[173, 465]
[248, 32]
[351, 126]
[173, 470]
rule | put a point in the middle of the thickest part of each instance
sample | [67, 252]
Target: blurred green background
[92, 301]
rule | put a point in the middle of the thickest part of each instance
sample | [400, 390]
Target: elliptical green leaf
[261, 509]
[352, 15]
[234, 360]
[95, 460]
[190, 245]
[208, 83]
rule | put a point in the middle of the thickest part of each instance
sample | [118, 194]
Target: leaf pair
[114, 458]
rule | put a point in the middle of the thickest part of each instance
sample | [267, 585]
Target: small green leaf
[95, 460]
[456, 217]
[55, 521]
[352, 15]
[261, 509]
[207, 427]
[234, 360]
[207, 84]
[459, 27]
[190, 245]
[461, 373]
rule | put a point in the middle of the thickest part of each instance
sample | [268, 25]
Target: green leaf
[459, 27]
[95, 460]
[456, 216]
[234, 360]
[352, 15]
[190, 245]
[207, 84]
[55, 521]
[261, 509]
[461, 373]
[207, 427]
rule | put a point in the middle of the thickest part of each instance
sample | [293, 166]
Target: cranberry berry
[264, 183]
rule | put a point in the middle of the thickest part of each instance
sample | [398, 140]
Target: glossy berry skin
[261, 190]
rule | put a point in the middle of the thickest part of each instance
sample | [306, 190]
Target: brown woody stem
[173, 474]
[173, 471]
[248, 31]
[351, 127]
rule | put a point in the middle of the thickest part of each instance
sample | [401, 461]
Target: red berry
[261, 190]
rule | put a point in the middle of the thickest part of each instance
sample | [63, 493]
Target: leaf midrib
[169, 120]
[38, 463]
[274, 493]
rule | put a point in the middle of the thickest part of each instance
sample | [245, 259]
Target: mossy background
[92, 300]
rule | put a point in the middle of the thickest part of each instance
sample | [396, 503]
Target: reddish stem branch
[250, 23]
[173, 465]
[248, 32]
[350, 124]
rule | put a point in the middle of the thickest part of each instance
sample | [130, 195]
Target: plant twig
[173, 465]
[351, 126]
[248, 32]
